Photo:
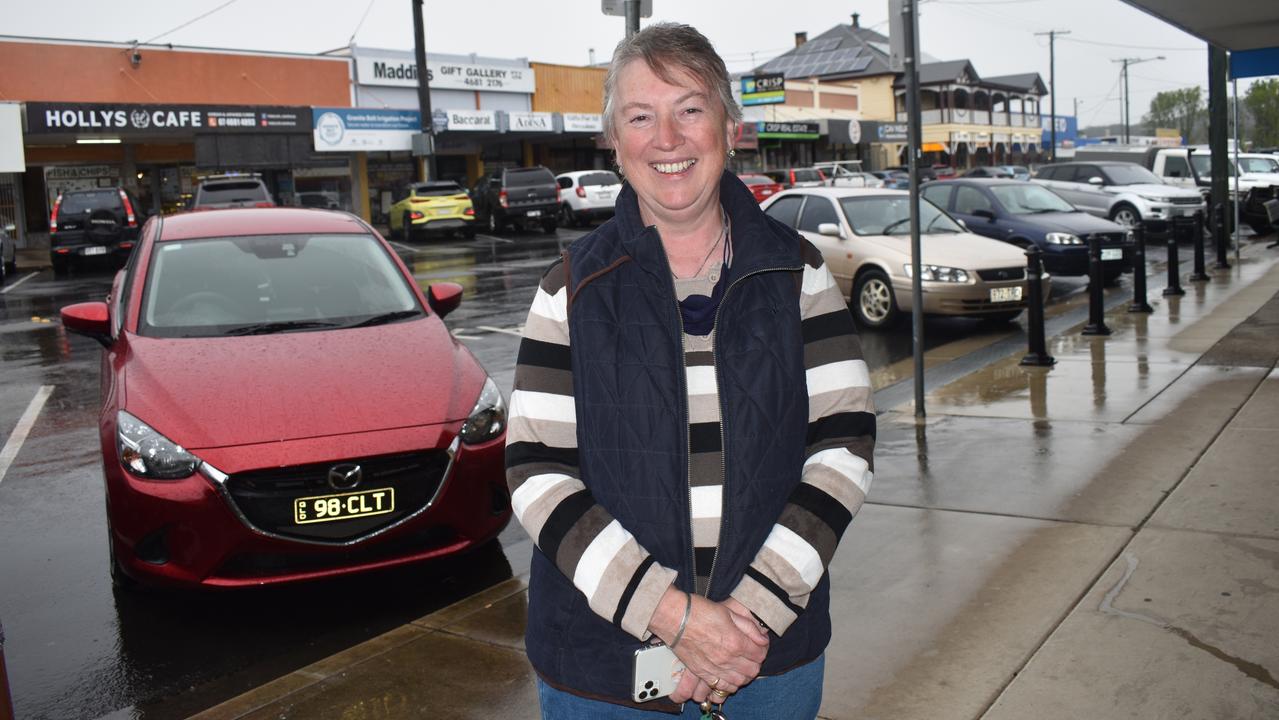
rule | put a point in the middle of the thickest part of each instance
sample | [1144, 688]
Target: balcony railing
[964, 116]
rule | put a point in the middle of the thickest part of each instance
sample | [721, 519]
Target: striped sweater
[617, 575]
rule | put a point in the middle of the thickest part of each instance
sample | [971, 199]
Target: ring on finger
[713, 683]
[719, 693]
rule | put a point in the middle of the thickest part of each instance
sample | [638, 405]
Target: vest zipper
[723, 450]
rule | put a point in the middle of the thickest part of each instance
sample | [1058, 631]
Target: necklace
[702, 264]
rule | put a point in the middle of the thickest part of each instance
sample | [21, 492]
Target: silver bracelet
[688, 610]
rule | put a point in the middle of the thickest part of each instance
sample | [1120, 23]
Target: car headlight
[488, 417]
[1057, 238]
[146, 453]
[1157, 198]
[939, 273]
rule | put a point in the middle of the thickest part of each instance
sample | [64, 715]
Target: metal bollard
[1096, 297]
[1139, 304]
[1174, 265]
[1219, 226]
[1197, 231]
[1038, 350]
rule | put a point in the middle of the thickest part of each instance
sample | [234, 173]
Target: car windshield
[438, 189]
[240, 191]
[92, 200]
[890, 215]
[599, 178]
[271, 283]
[756, 180]
[1259, 165]
[1131, 174]
[1029, 199]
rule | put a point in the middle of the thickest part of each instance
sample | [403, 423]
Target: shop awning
[934, 147]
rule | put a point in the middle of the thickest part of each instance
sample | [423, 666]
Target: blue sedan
[1024, 213]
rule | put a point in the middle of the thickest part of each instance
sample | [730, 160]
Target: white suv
[587, 195]
[1124, 192]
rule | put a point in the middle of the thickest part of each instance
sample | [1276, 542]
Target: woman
[691, 426]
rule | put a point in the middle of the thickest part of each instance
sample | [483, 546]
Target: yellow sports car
[437, 206]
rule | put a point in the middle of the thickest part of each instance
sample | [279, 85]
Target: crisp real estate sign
[364, 129]
[764, 89]
[790, 130]
[397, 71]
[123, 120]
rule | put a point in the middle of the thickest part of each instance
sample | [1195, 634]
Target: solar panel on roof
[860, 64]
[813, 46]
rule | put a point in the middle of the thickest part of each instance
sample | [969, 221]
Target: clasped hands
[722, 646]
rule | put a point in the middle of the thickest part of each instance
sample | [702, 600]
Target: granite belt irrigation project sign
[364, 129]
[125, 120]
[396, 71]
[764, 89]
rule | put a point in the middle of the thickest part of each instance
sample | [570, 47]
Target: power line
[360, 24]
[1137, 47]
[188, 22]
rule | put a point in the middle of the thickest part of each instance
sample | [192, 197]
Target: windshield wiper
[385, 318]
[1040, 211]
[889, 227]
[268, 328]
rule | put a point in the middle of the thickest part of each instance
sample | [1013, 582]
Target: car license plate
[534, 213]
[343, 506]
[1005, 294]
[1112, 253]
[95, 250]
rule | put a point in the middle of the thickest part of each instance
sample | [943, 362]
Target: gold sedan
[438, 206]
[864, 236]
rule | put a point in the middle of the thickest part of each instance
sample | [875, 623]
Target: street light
[1124, 75]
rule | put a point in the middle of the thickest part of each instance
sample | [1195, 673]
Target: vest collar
[758, 244]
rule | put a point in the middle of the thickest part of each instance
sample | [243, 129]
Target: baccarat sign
[95, 118]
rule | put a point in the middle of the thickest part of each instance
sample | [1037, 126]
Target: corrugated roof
[1021, 82]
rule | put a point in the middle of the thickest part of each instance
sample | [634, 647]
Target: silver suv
[231, 191]
[1121, 191]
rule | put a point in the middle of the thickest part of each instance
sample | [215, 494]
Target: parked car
[435, 206]
[587, 195]
[987, 171]
[864, 236]
[798, 177]
[847, 173]
[8, 251]
[1025, 214]
[943, 172]
[86, 225]
[893, 179]
[323, 199]
[761, 186]
[218, 192]
[282, 402]
[1121, 191]
[517, 196]
[1019, 172]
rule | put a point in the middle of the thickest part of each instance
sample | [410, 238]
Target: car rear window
[756, 180]
[270, 283]
[438, 190]
[78, 202]
[599, 178]
[235, 191]
[524, 178]
[807, 176]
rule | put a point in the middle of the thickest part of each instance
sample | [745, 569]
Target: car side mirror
[984, 213]
[444, 297]
[830, 230]
[961, 222]
[91, 319]
[1094, 180]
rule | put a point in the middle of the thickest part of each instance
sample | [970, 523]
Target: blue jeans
[795, 695]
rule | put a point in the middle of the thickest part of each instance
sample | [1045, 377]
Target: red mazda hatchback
[281, 402]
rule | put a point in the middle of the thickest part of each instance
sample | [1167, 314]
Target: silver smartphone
[655, 667]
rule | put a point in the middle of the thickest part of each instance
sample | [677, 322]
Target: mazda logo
[345, 476]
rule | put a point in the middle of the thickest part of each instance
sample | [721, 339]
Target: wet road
[78, 649]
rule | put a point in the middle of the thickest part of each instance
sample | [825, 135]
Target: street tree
[1180, 109]
[1262, 101]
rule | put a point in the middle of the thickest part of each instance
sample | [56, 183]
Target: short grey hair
[667, 47]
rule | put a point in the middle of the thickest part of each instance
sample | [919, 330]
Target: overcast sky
[996, 35]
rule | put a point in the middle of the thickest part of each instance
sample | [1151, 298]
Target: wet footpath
[1095, 539]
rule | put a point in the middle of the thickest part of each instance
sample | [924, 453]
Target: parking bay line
[25, 423]
[490, 328]
[19, 282]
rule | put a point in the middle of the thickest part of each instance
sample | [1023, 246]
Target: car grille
[266, 497]
[973, 307]
[1186, 201]
[1108, 238]
[1000, 274]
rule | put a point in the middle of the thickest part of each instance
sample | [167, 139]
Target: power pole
[1124, 77]
[1052, 90]
[632, 17]
[427, 169]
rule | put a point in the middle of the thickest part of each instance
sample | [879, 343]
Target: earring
[732, 152]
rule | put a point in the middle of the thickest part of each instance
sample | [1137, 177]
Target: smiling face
[671, 142]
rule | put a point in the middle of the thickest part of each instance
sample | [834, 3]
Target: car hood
[1156, 189]
[218, 392]
[960, 250]
[1259, 178]
[1077, 223]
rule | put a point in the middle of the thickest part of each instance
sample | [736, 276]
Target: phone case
[654, 667]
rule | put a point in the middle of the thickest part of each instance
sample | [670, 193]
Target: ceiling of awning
[1230, 24]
